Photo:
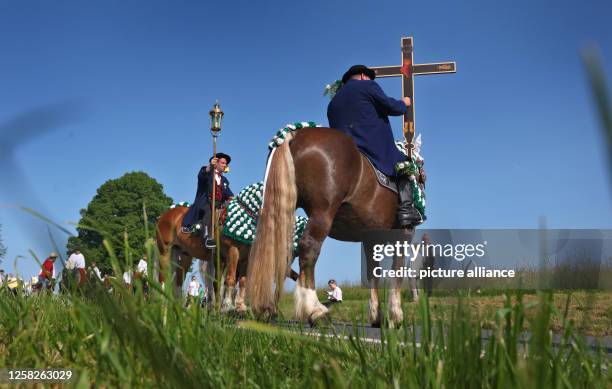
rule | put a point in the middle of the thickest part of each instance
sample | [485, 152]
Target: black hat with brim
[222, 155]
[358, 69]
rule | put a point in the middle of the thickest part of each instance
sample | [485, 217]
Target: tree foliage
[117, 213]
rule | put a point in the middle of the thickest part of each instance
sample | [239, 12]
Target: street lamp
[216, 116]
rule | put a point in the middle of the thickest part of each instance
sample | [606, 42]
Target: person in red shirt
[47, 274]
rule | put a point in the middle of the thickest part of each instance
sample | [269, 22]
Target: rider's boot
[407, 215]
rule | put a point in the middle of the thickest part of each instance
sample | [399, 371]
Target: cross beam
[407, 71]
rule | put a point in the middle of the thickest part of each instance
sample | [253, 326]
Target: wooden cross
[407, 71]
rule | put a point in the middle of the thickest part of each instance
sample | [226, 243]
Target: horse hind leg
[241, 271]
[307, 305]
[240, 297]
[230, 279]
[396, 314]
[374, 311]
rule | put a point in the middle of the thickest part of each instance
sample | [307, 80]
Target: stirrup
[186, 230]
[210, 243]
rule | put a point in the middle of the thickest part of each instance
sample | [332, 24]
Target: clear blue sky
[511, 137]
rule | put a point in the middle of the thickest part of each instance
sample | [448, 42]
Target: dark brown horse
[322, 171]
[178, 249]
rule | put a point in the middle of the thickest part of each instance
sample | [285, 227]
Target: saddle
[382, 178]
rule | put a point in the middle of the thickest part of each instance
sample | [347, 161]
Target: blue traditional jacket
[204, 195]
[361, 110]
[205, 187]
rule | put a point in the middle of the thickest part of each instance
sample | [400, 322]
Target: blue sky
[512, 137]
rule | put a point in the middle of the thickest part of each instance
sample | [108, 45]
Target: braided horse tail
[272, 250]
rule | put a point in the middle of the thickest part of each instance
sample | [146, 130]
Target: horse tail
[272, 250]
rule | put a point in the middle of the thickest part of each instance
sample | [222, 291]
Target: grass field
[122, 340]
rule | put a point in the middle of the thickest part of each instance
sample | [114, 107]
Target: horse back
[334, 178]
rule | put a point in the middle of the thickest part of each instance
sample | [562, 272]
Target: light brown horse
[178, 249]
[322, 171]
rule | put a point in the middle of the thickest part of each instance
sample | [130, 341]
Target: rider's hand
[407, 101]
[213, 162]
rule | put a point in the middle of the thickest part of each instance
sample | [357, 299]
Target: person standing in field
[127, 278]
[95, 272]
[142, 273]
[46, 277]
[192, 291]
[76, 264]
[203, 295]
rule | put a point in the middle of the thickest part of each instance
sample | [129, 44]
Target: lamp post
[216, 116]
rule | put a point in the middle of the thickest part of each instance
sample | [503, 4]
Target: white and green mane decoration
[242, 210]
[281, 134]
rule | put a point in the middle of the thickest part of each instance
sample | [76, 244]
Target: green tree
[117, 211]
[2, 248]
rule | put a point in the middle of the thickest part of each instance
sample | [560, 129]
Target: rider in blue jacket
[361, 109]
[201, 209]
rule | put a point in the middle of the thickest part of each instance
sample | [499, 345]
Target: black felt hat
[222, 155]
[358, 69]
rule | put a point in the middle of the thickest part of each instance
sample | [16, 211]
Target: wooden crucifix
[407, 71]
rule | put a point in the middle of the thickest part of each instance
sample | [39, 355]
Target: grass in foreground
[122, 340]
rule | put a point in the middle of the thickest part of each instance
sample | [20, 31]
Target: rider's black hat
[222, 155]
[358, 69]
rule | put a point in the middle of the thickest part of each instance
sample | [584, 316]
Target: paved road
[368, 333]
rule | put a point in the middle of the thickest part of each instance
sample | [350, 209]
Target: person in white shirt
[142, 266]
[142, 270]
[76, 260]
[334, 294]
[192, 291]
[127, 278]
[96, 272]
[76, 263]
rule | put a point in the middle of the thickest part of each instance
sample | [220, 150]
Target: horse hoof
[319, 315]
[395, 324]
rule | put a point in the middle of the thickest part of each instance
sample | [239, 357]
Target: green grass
[123, 340]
